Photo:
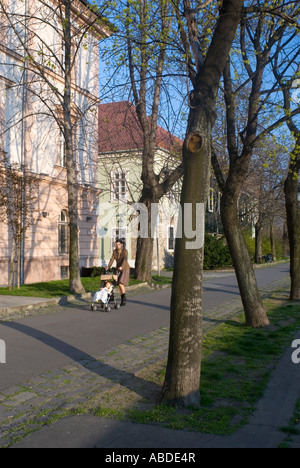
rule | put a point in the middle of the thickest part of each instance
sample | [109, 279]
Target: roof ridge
[120, 129]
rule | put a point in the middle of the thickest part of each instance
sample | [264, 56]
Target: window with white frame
[118, 233]
[219, 202]
[63, 230]
[12, 106]
[118, 185]
[8, 119]
[210, 202]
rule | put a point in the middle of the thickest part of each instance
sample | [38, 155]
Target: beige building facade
[32, 84]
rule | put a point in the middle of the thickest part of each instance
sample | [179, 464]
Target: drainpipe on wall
[23, 146]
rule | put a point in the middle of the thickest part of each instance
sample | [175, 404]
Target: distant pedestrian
[120, 255]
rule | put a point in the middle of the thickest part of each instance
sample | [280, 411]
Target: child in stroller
[105, 295]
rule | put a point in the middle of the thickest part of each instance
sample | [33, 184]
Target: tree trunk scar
[194, 142]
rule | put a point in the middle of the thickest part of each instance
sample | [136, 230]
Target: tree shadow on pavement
[112, 374]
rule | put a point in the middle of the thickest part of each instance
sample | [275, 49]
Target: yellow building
[120, 166]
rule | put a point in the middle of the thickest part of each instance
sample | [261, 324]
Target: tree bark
[182, 382]
[75, 284]
[255, 313]
[143, 263]
[292, 204]
[11, 268]
[152, 193]
[144, 249]
[293, 225]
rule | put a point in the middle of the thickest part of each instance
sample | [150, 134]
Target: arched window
[63, 229]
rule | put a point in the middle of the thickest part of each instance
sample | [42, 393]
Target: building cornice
[55, 76]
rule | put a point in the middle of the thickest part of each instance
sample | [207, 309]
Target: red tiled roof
[120, 130]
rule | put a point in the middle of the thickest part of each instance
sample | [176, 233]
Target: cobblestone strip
[53, 394]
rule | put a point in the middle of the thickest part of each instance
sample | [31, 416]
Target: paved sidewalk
[10, 304]
[84, 431]
[50, 396]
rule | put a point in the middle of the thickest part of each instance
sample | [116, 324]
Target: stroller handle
[110, 276]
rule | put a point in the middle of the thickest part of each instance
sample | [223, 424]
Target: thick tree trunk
[143, 262]
[255, 313]
[293, 224]
[144, 248]
[75, 284]
[182, 381]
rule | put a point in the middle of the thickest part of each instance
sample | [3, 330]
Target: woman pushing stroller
[120, 254]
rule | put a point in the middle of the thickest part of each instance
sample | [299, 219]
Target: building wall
[42, 149]
[109, 221]
[42, 260]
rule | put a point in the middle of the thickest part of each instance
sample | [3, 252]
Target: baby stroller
[109, 297]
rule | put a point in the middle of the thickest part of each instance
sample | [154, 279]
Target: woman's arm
[111, 261]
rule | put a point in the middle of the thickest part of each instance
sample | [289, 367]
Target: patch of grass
[293, 428]
[47, 290]
[55, 288]
[61, 288]
[161, 279]
[109, 413]
[236, 366]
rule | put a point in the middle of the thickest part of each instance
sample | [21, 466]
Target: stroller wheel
[117, 306]
[107, 309]
[93, 307]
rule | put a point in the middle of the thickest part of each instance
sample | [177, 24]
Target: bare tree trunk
[75, 280]
[182, 382]
[144, 250]
[255, 313]
[11, 268]
[152, 193]
[231, 188]
[18, 252]
[153, 188]
[144, 256]
[293, 224]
